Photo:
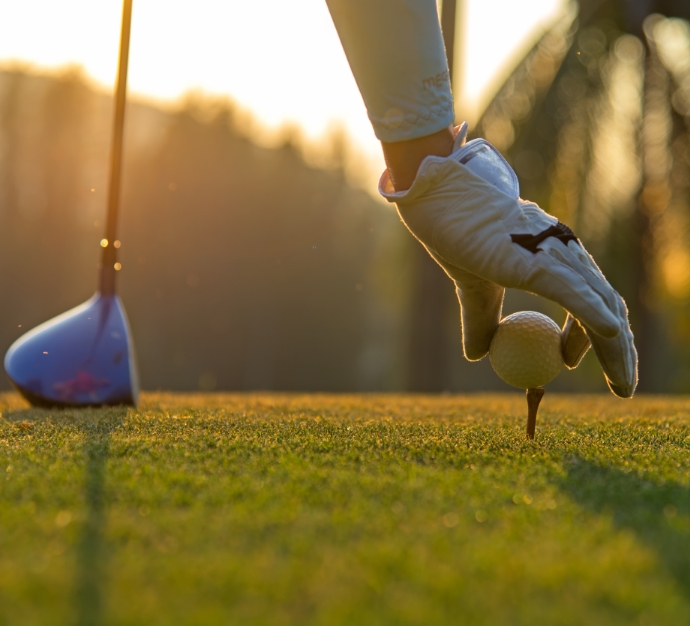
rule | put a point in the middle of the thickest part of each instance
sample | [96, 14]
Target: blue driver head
[84, 357]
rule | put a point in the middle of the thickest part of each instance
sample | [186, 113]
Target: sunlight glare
[281, 60]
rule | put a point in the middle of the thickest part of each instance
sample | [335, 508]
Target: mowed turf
[344, 510]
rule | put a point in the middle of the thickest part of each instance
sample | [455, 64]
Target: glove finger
[618, 364]
[577, 259]
[481, 302]
[574, 342]
[556, 281]
[618, 357]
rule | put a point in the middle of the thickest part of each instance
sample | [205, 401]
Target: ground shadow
[96, 427]
[91, 553]
[652, 510]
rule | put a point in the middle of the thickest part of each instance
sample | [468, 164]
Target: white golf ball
[526, 350]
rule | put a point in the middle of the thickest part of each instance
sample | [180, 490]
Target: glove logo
[559, 230]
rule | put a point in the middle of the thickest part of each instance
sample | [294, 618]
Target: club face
[84, 357]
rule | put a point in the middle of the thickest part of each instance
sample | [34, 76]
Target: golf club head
[84, 357]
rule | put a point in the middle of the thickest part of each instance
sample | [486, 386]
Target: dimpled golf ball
[526, 350]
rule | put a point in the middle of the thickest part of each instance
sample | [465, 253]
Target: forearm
[396, 53]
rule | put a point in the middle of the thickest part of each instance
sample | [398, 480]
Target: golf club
[85, 357]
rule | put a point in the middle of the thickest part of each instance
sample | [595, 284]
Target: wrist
[403, 158]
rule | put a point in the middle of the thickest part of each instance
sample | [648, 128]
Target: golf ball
[526, 350]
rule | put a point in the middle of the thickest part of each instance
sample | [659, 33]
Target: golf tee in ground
[534, 397]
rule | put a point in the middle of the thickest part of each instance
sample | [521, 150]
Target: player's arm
[461, 200]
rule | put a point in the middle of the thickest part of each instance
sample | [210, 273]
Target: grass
[342, 510]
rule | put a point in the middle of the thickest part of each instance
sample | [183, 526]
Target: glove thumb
[481, 302]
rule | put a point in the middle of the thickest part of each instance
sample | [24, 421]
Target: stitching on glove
[559, 230]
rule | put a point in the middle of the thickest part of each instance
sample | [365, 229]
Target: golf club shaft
[109, 254]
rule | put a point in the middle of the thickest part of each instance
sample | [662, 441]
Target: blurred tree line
[243, 268]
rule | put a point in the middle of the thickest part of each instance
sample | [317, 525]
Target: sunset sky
[280, 59]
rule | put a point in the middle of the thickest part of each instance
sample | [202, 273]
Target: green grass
[344, 510]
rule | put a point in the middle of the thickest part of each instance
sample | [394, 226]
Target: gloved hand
[466, 211]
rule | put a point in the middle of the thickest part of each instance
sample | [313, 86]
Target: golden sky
[279, 58]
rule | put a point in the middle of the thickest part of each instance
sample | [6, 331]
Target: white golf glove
[466, 211]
